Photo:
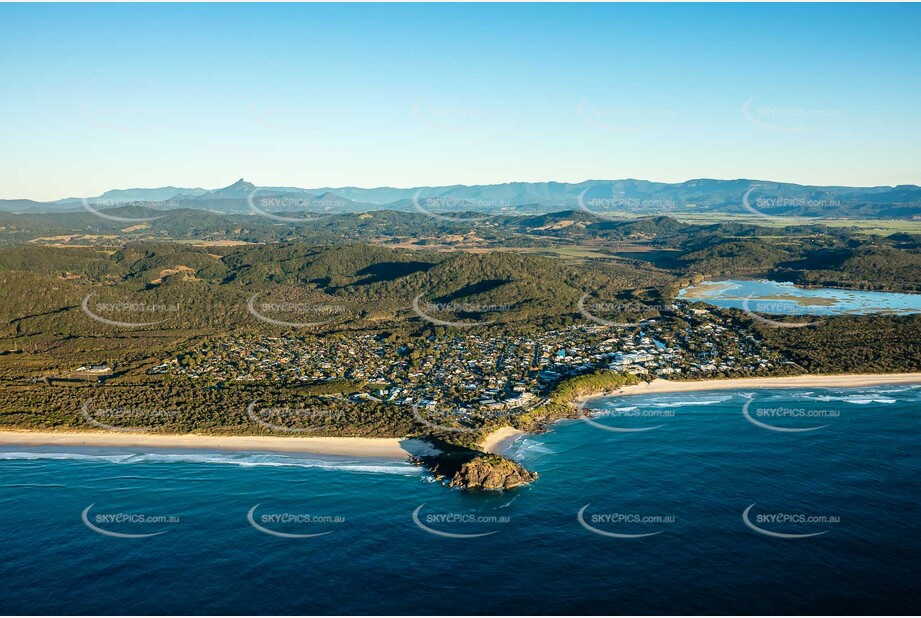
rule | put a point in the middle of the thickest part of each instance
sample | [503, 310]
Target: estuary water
[767, 501]
[765, 296]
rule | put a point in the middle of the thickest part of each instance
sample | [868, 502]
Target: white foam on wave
[245, 460]
[859, 399]
[525, 448]
[896, 389]
[695, 402]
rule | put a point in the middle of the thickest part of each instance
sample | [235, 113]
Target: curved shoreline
[846, 380]
[400, 448]
[499, 440]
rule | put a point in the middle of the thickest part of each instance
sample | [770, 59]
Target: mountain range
[629, 196]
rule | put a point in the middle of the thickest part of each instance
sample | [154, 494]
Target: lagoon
[785, 298]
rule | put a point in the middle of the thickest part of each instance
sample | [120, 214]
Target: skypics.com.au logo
[621, 314]
[609, 207]
[428, 414]
[789, 119]
[126, 419]
[788, 525]
[301, 116]
[293, 525]
[299, 419]
[800, 205]
[123, 525]
[459, 210]
[787, 419]
[313, 209]
[626, 419]
[105, 312]
[621, 525]
[452, 117]
[100, 206]
[429, 311]
[283, 312]
[459, 525]
[622, 118]
[754, 309]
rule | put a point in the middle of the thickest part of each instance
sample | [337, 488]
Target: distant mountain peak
[239, 189]
[240, 184]
[591, 198]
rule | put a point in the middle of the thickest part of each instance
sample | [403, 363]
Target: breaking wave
[694, 402]
[246, 460]
[859, 399]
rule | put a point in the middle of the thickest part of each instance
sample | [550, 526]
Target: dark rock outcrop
[492, 472]
[471, 469]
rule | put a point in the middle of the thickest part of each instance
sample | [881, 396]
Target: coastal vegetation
[560, 404]
[852, 344]
[394, 325]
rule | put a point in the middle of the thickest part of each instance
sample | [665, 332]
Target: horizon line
[440, 186]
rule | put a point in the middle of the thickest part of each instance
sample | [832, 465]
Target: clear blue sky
[116, 96]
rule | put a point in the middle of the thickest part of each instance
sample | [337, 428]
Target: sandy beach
[806, 381]
[500, 439]
[382, 448]
[401, 448]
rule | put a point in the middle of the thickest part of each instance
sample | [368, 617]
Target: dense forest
[92, 293]
[807, 252]
[853, 344]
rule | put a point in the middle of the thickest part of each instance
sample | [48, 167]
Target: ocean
[767, 501]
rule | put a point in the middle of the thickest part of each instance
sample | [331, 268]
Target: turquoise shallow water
[788, 299]
[687, 483]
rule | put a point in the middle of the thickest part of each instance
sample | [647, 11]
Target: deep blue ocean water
[687, 483]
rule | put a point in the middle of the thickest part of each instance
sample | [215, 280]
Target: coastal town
[476, 374]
